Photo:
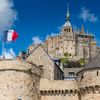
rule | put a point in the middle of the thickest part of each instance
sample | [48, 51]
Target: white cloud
[51, 35]
[9, 54]
[37, 40]
[7, 15]
[86, 15]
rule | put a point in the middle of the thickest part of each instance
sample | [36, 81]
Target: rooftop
[67, 24]
[95, 61]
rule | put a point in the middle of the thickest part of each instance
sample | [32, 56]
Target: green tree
[82, 61]
[64, 60]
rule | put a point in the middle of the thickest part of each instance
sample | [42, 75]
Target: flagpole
[2, 50]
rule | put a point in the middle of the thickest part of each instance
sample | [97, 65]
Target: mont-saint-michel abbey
[64, 67]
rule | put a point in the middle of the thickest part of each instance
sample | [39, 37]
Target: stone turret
[89, 80]
[19, 80]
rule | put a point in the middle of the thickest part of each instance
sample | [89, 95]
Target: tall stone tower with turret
[78, 44]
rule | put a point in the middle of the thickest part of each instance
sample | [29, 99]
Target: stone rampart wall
[18, 81]
[58, 90]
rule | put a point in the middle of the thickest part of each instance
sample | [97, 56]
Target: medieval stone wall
[18, 81]
[57, 46]
[40, 58]
[58, 90]
[89, 84]
[86, 87]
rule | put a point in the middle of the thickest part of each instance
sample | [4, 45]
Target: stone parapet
[46, 84]
[58, 89]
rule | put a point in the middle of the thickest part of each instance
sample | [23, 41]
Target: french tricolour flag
[10, 35]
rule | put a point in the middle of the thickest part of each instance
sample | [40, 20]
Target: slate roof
[95, 62]
[67, 24]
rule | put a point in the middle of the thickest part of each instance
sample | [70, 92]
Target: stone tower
[67, 26]
[19, 80]
[89, 80]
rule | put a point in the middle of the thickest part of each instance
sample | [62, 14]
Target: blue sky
[39, 18]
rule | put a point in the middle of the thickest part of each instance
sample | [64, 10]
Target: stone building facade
[40, 57]
[77, 43]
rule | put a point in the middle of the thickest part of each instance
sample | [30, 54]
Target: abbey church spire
[82, 30]
[68, 13]
[68, 18]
